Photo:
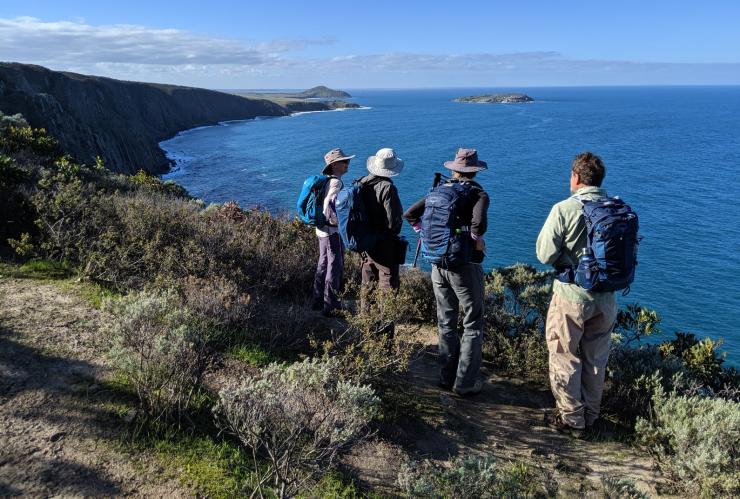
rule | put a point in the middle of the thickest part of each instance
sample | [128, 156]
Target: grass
[46, 270]
[252, 354]
[214, 468]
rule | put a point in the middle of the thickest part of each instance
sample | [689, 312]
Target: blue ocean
[673, 153]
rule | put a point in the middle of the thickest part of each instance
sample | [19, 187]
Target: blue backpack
[445, 231]
[353, 220]
[609, 262]
[310, 205]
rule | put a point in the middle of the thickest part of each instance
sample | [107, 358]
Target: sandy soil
[56, 427]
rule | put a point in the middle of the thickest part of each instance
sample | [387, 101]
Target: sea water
[673, 153]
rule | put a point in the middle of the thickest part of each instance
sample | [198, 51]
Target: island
[511, 98]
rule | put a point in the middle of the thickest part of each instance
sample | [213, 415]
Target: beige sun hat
[332, 157]
[385, 163]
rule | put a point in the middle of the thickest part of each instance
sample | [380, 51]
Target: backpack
[353, 220]
[611, 255]
[445, 231]
[310, 205]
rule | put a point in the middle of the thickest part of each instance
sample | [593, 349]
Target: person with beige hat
[330, 267]
[380, 197]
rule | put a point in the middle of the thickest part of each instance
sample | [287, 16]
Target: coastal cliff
[122, 121]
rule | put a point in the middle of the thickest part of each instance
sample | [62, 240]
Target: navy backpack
[353, 220]
[310, 205]
[445, 230]
[609, 261]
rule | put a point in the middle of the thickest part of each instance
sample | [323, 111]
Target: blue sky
[351, 44]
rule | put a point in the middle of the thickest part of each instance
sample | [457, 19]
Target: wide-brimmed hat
[332, 157]
[466, 161]
[385, 163]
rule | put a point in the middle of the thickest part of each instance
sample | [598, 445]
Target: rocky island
[511, 98]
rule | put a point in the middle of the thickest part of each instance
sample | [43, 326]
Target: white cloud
[177, 56]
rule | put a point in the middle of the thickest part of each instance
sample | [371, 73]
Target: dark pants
[328, 279]
[378, 266]
[460, 360]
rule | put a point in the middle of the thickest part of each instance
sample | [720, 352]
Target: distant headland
[123, 122]
[511, 98]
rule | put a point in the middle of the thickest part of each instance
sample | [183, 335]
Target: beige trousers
[578, 339]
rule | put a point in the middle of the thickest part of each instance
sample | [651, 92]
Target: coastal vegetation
[220, 369]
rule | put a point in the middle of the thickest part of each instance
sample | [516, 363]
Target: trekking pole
[435, 183]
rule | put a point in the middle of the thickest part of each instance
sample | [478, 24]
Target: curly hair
[589, 168]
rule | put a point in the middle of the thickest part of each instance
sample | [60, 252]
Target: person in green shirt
[579, 322]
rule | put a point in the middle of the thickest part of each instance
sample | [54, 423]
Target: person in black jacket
[380, 196]
[461, 284]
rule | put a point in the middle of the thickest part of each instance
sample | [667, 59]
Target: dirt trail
[55, 416]
[54, 423]
[506, 421]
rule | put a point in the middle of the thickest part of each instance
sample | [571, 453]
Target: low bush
[157, 344]
[517, 298]
[696, 441]
[375, 345]
[297, 418]
[416, 289]
[479, 477]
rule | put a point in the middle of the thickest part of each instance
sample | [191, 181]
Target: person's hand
[416, 227]
[480, 244]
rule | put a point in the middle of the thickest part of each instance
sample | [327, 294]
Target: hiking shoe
[467, 392]
[555, 421]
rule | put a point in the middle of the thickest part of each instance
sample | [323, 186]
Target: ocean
[673, 153]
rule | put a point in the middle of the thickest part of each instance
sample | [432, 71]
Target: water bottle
[587, 272]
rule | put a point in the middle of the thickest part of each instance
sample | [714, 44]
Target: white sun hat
[385, 163]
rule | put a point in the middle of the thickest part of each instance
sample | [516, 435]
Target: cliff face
[120, 121]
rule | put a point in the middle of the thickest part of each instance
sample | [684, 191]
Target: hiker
[330, 267]
[384, 211]
[579, 321]
[456, 253]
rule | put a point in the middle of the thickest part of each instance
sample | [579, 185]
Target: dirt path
[55, 409]
[506, 421]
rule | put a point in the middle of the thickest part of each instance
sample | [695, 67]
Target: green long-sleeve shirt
[561, 242]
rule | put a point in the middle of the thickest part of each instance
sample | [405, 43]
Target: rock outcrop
[120, 121]
[511, 98]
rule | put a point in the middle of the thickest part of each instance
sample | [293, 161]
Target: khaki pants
[578, 339]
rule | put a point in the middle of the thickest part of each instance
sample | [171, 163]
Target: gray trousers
[460, 360]
[329, 270]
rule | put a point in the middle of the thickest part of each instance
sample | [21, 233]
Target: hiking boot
[467, 392]
[555, 421]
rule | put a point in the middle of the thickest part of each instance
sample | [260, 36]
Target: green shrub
[297, 418]
[372, 349]
[517, 299]
[696, 441]
[416, 288]
[158, 345]
[478, 477]
[621, 488]
[702, 359]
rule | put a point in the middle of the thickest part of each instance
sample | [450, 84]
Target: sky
[380, 44]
